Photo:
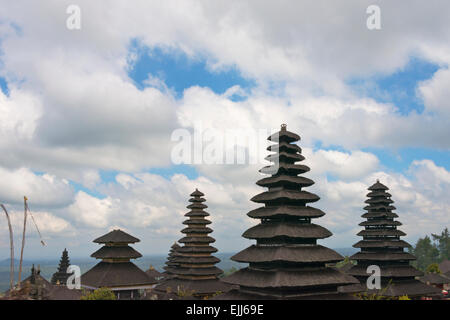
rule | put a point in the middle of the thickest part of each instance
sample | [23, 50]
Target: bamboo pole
[11, 246]
[23, 238]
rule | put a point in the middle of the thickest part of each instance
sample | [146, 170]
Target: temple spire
[193, 266]
[286, 262]
[381, 245]
[171, 265]
[60, 276]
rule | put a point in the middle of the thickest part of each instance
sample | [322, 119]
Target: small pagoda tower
[381, 245]
[116, 271]
[286, 262]
[60, 277]
[170, 263]
[192, 268]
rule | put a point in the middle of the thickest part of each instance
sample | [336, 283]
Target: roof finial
[283, 127]
[378, 180]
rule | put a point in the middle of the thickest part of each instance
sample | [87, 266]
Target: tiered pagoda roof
[170, 263]
[381, 245]
[286, 262]
[60, 277]
[116, 271]
[193, 267]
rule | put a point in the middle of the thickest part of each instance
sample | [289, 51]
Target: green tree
[99, 294]
[433, 268]
[443, 244]
[425, 252]
[229, 271]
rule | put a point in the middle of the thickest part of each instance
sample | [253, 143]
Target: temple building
[152, 272]
[116, 271]
[170, 263]
[381, 246]
[60, 276]
[437, 280]
[192, 269]
[36, 287]
[286, 262]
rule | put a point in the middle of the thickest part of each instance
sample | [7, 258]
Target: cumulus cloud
[43, 190]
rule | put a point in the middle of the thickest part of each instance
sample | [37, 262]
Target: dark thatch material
[444, 266]
[381, 246]
[435, 278]
[411, 288]
[283, 179]
[116, 236]
[383, 256]
[121, 252]
[36, 287]
[398, 271]
[118, 274]
[192, 289]
[287, 253]
[289, 278]
[192, 271]
[153, 273]
[170, 264]
[115, 271]
[290, 229]
[285, 211]
[286, 262]
[286, 195]
[61, 292]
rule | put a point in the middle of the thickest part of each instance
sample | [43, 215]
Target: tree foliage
[433, 268]
[430, 250]
[99, 294]
[443, 244]
[425, 252]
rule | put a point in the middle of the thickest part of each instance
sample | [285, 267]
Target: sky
[88, 115]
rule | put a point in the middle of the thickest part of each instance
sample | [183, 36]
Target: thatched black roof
[192, 267]
[115, 269]
[444, 266]
[286, 261]
[119, 252]
[170, 264]
[435, 278]
[382, 246]
[117, 274]
[116, 236]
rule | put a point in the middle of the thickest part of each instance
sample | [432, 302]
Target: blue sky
[179, 71]
[398, 88]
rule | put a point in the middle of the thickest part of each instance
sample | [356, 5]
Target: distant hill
[6, 262]
[346, 251]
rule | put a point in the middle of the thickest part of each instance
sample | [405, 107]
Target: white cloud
[42, 190]
[356, 164]
[435, 92]
[91, 211]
